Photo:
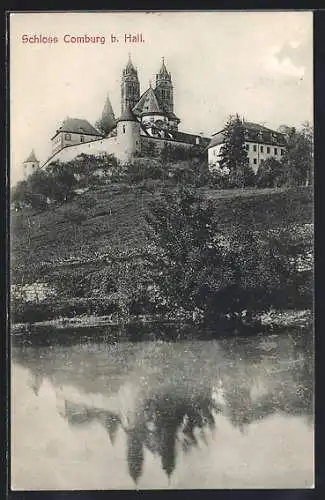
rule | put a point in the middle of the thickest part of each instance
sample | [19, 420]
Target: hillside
[111, 219]
[88, 252]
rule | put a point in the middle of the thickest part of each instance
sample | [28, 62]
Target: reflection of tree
[111, 423]
[36, 381]
[160, 422]
[78, 414]
[176, 416]
[134, 454]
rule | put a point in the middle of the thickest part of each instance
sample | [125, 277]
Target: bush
[197, 266]
[32, 312]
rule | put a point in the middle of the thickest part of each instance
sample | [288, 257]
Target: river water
[195, 414]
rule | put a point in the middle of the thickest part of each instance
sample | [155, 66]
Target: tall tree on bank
[233, 154]
[298, 160]
[107, 121]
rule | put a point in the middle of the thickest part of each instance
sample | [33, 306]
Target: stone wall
[160, 143]
[109, 145]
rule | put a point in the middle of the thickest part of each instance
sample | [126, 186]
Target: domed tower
[130, 87]
[164, 89]
[30, 165]
[128, 134]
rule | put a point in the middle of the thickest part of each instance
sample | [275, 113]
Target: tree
[107, 121]
[199, 269]
[298, 162]
[20, 195]
[24, 194]
[185, 258]
[62, 181]
[233, 154]
[269, 174]
[39, 182]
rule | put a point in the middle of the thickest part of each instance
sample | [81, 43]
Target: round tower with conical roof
[164, 89]
[130, 86]
[30, 165]
[128, 134]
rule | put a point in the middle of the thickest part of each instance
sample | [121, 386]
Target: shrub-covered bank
[174, 253]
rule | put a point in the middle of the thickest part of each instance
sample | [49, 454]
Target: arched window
[123, 129]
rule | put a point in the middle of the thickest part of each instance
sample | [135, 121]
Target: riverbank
[151, 328]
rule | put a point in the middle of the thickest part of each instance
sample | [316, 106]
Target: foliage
[59, 181]
[198, 256]
[171, 152]
[269, 174]
[22, 197]
[233, 154]
[191, 172]
[298, 162]
[31, 312]
[197, 267]
[185, 258]
[62, 181]
[138, 171]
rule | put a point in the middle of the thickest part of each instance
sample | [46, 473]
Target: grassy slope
[117, 221]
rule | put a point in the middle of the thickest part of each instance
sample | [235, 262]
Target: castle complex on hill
[148, 122]
[146, 119]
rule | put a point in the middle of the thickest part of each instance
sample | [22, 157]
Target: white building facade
[74, 131]
[260, 142]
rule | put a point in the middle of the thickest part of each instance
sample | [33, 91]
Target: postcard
[161, 227]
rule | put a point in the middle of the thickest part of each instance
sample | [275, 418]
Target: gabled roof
[258, 128]
[77, 126]
[216, 139]
[31, 158]
[147, 103]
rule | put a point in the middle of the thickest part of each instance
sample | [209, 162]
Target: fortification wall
[108, 145]
[160, 143]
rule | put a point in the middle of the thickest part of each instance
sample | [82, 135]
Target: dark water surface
[194, 414]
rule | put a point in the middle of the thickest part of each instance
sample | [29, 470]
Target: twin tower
[130, 88]
[153, 111]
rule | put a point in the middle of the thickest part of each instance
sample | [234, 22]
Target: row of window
[268, 149]
[68, 137]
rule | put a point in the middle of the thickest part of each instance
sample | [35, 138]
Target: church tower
[164, 89]
[130, 87]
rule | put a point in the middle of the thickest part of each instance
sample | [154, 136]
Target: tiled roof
[255, 133]
[216, 139]
[257, 127]
[188, 138]
[78, 126]
[147, 103]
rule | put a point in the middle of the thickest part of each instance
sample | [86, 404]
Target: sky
[257, 64]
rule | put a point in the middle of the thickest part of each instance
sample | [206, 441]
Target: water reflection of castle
[173, 417]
